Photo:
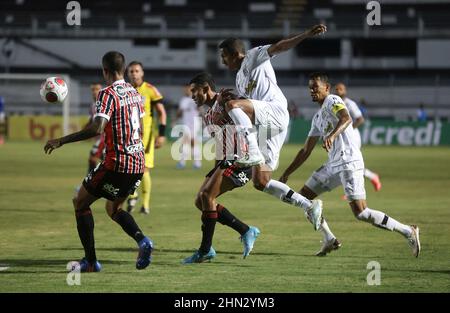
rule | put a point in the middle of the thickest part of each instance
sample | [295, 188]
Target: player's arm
[300, 158]
[93, 129]
[358, 122]
[291, 42]
[162, 120]
[344, 121]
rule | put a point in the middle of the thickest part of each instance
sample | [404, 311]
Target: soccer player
[358, 120]
[188, 114]
[153, 138]
[264, 105]
[224, 177]
[345, 165]
[119, 113]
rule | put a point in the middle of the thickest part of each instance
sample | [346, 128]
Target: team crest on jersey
[250, 86]
[120, 91]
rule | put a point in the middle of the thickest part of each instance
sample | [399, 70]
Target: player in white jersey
[358, 120]
[263, 104]
[345, 165]
[188, 115]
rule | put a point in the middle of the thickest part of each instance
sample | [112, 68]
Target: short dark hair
[114, 61]
[202, 79]
[319, 75]
[136, 63]
[232, 46]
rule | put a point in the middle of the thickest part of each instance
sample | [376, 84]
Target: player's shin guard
[209, 219]
[381, 220]
[85, 227]
[225, 217]
[128, 224]
[286, 194]
[146, 189]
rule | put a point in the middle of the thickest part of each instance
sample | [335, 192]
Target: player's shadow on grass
[187, 251]
[38, 264]
[238, 253]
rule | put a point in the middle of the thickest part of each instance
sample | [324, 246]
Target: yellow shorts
[149, 147]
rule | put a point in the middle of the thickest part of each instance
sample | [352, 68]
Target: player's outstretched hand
[159, 141]
[328, 143]
[226, 95]
[317, 30]
[51, 145]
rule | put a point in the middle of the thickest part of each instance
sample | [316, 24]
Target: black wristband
[161, 130]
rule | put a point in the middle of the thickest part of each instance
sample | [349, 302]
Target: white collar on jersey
[120, 81]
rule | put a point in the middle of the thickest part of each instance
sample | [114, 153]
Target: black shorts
[238, 175]
[111, 185]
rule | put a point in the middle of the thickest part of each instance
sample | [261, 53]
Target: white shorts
[323, 179]
[271, 121]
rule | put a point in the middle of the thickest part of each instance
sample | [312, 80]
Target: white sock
[326, 232]
[185, 151]
[286, 194]
[379, 219]
[369, 174]
[244, 124]
[197, 152]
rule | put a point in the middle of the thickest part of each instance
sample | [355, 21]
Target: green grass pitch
[38, 233]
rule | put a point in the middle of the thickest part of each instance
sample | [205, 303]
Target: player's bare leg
[85, 227]
[206, 201]
[128, 224]
[262, 180]
[381, 220]
[243, 115]
[330, 241]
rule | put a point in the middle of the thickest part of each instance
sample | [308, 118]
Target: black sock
[226, 218]
[128, 224]
[209, 219]
[85, 226]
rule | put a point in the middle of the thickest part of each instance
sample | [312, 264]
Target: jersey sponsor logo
[134, 148]
[243, 178]
[250, 86]
[109, 188]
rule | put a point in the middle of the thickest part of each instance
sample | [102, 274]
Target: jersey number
[135, 123]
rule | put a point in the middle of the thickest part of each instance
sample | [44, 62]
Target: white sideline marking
[4, 268]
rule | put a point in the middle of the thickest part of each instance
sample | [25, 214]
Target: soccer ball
[54, 90]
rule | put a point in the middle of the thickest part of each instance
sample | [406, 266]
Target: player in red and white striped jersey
[121, 105]
[224, 177]
[119, 110]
